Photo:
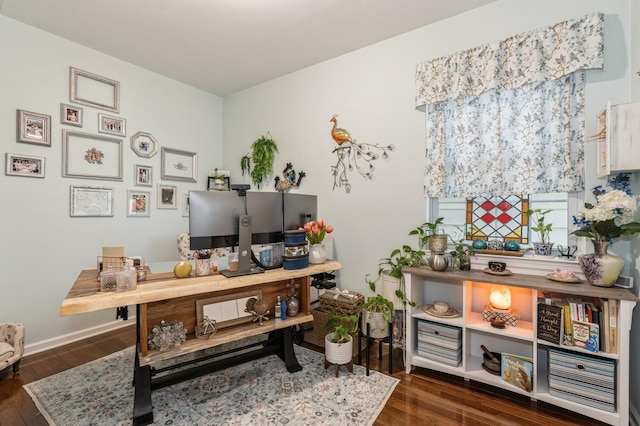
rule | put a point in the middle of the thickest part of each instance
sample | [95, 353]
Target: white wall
[44, 249]
[372, 90]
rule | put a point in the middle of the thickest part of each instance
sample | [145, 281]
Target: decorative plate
[552, 277]
[431, 310]
[489, 271]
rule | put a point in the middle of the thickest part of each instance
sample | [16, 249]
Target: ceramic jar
[601, 268]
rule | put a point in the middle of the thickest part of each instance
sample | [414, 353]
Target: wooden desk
[163, 297]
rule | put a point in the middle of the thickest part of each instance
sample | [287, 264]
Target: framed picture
[91, 201]
[179, 165]
[92, 90]
[142, 175]
[89, 156]
[138, 203]
[144, 145]
[34, 128]
[227, 310]
[71, 115]
[185, 204]
[167, 196]
[112, 125]
[24, 165]
[217, 184]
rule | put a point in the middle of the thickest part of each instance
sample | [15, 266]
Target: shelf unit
[468, 293]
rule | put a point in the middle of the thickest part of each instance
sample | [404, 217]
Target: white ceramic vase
[317, 253]
[338, 353]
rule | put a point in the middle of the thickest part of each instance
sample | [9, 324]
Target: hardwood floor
[421, 398]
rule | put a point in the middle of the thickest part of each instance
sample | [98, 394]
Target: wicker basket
[341, 302]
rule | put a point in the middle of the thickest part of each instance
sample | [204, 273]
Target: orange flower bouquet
[316, 231]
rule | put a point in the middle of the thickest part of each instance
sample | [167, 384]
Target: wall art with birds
[353, 155]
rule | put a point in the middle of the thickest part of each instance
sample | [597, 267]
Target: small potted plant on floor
[544, 246]
[339, 342]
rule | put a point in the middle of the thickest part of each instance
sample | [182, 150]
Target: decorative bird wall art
[354, 155]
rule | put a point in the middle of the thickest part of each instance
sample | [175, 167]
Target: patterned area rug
[259, 392]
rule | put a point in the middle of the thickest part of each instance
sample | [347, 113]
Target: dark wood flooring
[421, 398]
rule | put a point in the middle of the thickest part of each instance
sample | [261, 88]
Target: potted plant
[376, 312]
[542, 247]
[426, 233]
[390, 273]
[461, 255]
[262, 153]
[339, 342]
[315, 233]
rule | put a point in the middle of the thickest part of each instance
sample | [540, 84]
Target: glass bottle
[278, 309]
[283, 309]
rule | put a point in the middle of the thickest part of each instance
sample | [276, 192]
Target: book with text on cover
[586, 335]
[518, 371]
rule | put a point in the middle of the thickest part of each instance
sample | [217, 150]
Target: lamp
[500, 297]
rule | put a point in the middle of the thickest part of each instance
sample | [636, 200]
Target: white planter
[379, 327]
[317, 253]
[338, 353]
[389, 286]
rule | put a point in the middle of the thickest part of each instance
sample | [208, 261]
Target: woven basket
[344, 303]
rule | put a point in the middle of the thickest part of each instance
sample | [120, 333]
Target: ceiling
[224, 46]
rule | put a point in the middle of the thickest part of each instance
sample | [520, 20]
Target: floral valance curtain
[543, 54]
[508, 117]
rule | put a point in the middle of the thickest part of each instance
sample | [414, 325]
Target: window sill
[529, 264]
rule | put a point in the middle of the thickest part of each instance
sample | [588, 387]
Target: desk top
[85, 295]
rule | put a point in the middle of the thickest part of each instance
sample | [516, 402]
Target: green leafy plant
[399, 258]
[378, 304]
[262, 154]
[342, 326]
[426, 231]
[461, 253]
[543, 229]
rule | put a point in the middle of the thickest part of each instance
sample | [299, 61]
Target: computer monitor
[229, 219]
[298, 209]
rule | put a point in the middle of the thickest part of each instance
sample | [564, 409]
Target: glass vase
[317, 253]
[601, 268]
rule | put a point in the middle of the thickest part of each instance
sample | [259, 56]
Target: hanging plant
[259, 163]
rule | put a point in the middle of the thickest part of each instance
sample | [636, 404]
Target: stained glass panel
[498, 218]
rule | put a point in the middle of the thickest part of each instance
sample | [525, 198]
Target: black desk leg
[290, 360]
[142, 407]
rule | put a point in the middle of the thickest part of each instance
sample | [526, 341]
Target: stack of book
[590, 323]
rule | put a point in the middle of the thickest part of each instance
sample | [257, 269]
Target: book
[517, 370]
[550, 325]
[586, 335]
[606, 326]
[613, 326]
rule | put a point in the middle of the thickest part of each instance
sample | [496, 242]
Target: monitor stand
[244, 250]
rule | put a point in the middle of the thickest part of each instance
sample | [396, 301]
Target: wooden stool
[349, 366]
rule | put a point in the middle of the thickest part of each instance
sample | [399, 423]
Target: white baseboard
[634, 416]
[55, 342]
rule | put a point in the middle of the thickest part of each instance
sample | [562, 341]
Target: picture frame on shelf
[167, 196]
[138, 203]
[91, 201]
[144, 144]
[70, 115]
[212, 185]
[24, 165]
[185, 204]
[89, 156]
[143, 175]
[112, 125]
[33, 127]
[86, 88]
[176, 164]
